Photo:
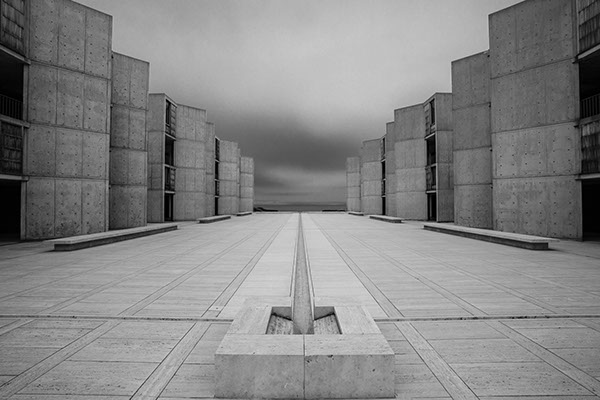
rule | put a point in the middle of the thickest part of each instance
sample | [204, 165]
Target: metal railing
[590, 106]
[11, 149]
[10, 107]
[169, 178]
[430, 177]
[590, 147]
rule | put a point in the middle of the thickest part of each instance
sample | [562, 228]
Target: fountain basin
[356, 363]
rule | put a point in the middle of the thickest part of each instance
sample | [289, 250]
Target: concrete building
[408, 172]
[74, 151]
[524, 129]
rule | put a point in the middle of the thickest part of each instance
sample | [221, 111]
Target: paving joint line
[32, 317]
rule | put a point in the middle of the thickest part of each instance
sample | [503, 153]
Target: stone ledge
[357, 213]
[216, 218]
[98, 239]
[510, 239]
[393, 220]
[244, 213]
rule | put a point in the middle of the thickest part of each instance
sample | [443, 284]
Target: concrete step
[243, 214]
[393, 220]
[357, 213]
[216, 218]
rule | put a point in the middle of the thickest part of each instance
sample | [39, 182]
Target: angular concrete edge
[385, 218]
[357, 213]
[216, 218]
[505, 238]
[102, 238]
[243, 214]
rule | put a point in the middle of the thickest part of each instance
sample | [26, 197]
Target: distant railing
[169, 178]
[11, 149]
[590, 106]
[590, 147]
[430, 177]
[10, 107]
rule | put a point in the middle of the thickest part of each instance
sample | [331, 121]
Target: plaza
[143, 318]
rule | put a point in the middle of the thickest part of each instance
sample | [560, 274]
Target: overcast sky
[299, 83]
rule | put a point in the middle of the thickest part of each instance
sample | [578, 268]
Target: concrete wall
[391, 189]
[190, 161]
[370, 177]
[210, 169]
[409, 128]
[353, 184]
[156, 156]
[534, 93]
[229, 175]
[128, 150]
[246, 184]
[472, 141]
[67, 145]
[444, 157]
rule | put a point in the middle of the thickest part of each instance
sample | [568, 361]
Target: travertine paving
[143, 318]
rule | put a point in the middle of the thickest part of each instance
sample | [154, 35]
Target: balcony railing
[590, 147]
[11, 107]
[590, 106]
[430, 177]
[169, 178]
[11, 149]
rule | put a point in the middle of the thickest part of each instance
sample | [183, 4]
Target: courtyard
[143, 318]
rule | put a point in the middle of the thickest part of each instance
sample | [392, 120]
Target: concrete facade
[79, 154]
[371, 176]
[128, 148]
[246, 184]
[229, 178]
[353, 184]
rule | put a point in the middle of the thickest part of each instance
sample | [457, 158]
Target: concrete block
[410, 154]
[473, 167]
[544, 206]
[409, 123]
[472, 127]
[473, 205]
[371, 204]
[444, 149]
[246, 192]
[353, 192]
[140, 75]
[156, 112]
[353, 204]
[39, 212]
[94, 206]
[229, 188]
[69, 153]
[42, 99]
[156, 145]
[390, 204]
[548, 150]
[443, 111]
[69, 106]
[96, 104]
[246, 180]
[445, 177]
[71, 41]
[98, 43]
[256, 366]
[410, 180]
[353, 179]
[471, 81]
[155, 176]
[137, 129]
[353, 164]
[247, 165]
[445, 205]
[68, 208]
[121, 79]
[348, 366]
[229, 171]
[539, 96]
[229, 205]
[155, 205]
[184, 206]
[412, 205]
[229, 152]
[43, 37]
[41, 150]
[119, 126]
[531, 34]
[371, 171]
[185, 154]
[138, 164]
[246, 204]
[370, 151]
[371, 188]
[95, 155]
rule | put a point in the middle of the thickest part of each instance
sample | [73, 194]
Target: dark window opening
[169, 151]
[432, 207]
[11, 149]
[170, 118]
[10, 203]
[431, 151]
[432, 111]
[168, 207]
[591, 211]
[589, 86]
[216, 206]
[11, 87]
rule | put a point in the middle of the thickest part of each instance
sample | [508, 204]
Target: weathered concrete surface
[370, 177]
[534, 92]
[463, 317]
[229, 178]
[128, 175]
[68, 108]
[246, 184]
[472, 141]
[353, 184]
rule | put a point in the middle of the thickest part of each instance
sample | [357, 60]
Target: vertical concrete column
[534, 96]
[353, 184]
[409, 127]
[156, 156]
[391, 189]
[209, 150]
[190, 161]
[370, 177]
[246, 184]
[472, 142]
[444, 157]
[229, 176]
[128, 149]
[68, 108]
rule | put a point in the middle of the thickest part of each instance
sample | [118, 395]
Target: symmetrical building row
[516, 145]
[84, 148]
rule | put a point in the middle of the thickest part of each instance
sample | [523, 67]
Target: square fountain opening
[325, 322]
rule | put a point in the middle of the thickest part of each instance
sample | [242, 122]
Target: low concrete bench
[385, 218]
[102, 238]
[358, 214]
[216, 218]
[243, 214]
[506, 238]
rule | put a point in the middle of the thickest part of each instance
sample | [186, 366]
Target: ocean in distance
[287, 207]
